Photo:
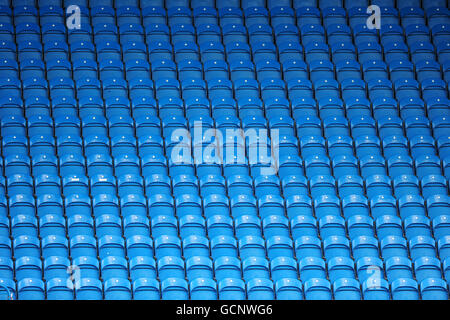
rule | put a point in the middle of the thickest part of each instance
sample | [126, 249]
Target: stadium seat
[119, 151]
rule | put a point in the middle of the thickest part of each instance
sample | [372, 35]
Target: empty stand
[209, 149]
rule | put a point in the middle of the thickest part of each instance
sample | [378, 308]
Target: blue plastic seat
[317, 289]
[24, 246]
[388, 225]
[405, 289]
[227, 266]
[4, 226]
[89, 289]
[393, 246]
[336, 246]
[195, 246]
[360, 225]
[146, 289]
[437, 205]
[216, 204]
[275, 225]
[117, 289]
[331, 225]
[171, 266]
[139, 245]
[17, 164]
[435, 13]
[433, 289]
[51, 224]
[19, 184]
[279, 246]
[231, 289]
[83, 55]
[327, 205]
[84, 33]
[317, 165]
[400, 165]
[128, 13]
[255, 267]
[8, 49]
[111, 246]
[440, 226]
[443, 146]
[344, 165]
[365, 246]
[374, 69]
[422, 145]
[433, 184]
[311, 267]
[344, 51]
[203, 289]
[443, 247]
[83, 246]
[258, 289]
[411, 205]
[49, 204]
[5, 247]
[405, 184]
[105, 32]
[141, 267]
[251, 246]
[80, 225]
[307, 246]
[346, 289]
[398, 267]
[308, 12]
[322, 185]
[422, 246]
[28, 267]
[288, 289]
[174, 289]
[378, 185]
[369, 268]
[6, 13]
[107, 224]
[31, 289]
[427, 267]
[164, 225]
[191, 225]
[114, 267]
[303, 225]
[299, 205]
[42, 163]
[312, 146]
[55, 267]
[154, 14]
[375, 289]
[283, 267]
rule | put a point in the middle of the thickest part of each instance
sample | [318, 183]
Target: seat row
[261, 48]
[105, 13]
[268, 73]
[360, 229]
[289, 185]
[332, 129]
[194, 244]
[257, 164]
[227, 289]
[327, 93]
[146, 109]
[105, 28]
[138, 71]
[217, 204]
[270, 4]
[224, 267]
